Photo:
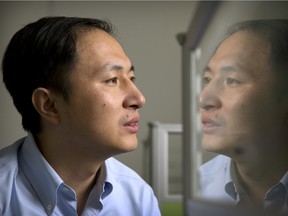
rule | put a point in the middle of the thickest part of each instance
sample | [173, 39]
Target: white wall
[147, 32]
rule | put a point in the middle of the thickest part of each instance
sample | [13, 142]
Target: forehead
[244, 50]
[99, 48]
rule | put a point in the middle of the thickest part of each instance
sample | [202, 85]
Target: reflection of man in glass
[244, 110]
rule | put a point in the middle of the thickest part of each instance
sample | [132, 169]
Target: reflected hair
[275, 32]
[43, 54]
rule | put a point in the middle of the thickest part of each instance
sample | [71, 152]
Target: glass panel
[175, 164]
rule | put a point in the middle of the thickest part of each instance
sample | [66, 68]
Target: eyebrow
[226, 69]
[115, 67]
[206, 69]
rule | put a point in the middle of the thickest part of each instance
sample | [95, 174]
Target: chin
[132, 147]
[128, 146]
[223, 148]
[213, 145]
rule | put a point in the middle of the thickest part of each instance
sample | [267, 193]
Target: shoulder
[9, 156]
[8, 172]
[215, 165]
[120, 170]
[214, 176]
[126, 180]
[136, 194]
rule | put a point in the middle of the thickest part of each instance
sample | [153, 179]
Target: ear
[44, 102]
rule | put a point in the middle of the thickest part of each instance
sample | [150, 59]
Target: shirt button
[49, 207]
[65, 189]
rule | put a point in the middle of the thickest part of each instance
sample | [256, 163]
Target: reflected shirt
[31, 187]
[219, 182]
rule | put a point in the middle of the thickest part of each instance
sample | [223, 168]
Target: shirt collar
[104, 185]
[230, 186]
[101, 190]
[109, 180]
[41, 175]
[284, 180]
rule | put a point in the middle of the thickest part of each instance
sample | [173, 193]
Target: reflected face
[101, 115]
[242, 109]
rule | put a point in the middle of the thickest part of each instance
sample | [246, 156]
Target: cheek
[253, 114]
[241, 113]
[106, 106]
[96, 105]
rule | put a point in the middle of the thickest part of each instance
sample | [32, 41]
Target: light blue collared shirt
[31, 187]
[218, 182]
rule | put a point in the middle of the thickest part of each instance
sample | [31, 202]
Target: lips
[208, 125]
[132, 125]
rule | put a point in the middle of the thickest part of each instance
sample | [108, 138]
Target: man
[74, 86]
[244, 113]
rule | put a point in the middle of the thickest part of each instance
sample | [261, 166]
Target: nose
[134, 98]
[209, 98]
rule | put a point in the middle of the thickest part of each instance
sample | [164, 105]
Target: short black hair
[42, 54]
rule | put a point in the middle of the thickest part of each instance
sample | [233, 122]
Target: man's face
[242, 109]
[101, 115]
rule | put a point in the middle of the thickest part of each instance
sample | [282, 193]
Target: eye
[206, 80]
[133, 79]
[112, 81]
[232, 82]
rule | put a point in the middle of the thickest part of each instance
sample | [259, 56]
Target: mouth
[132, 125]
[208, 125]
